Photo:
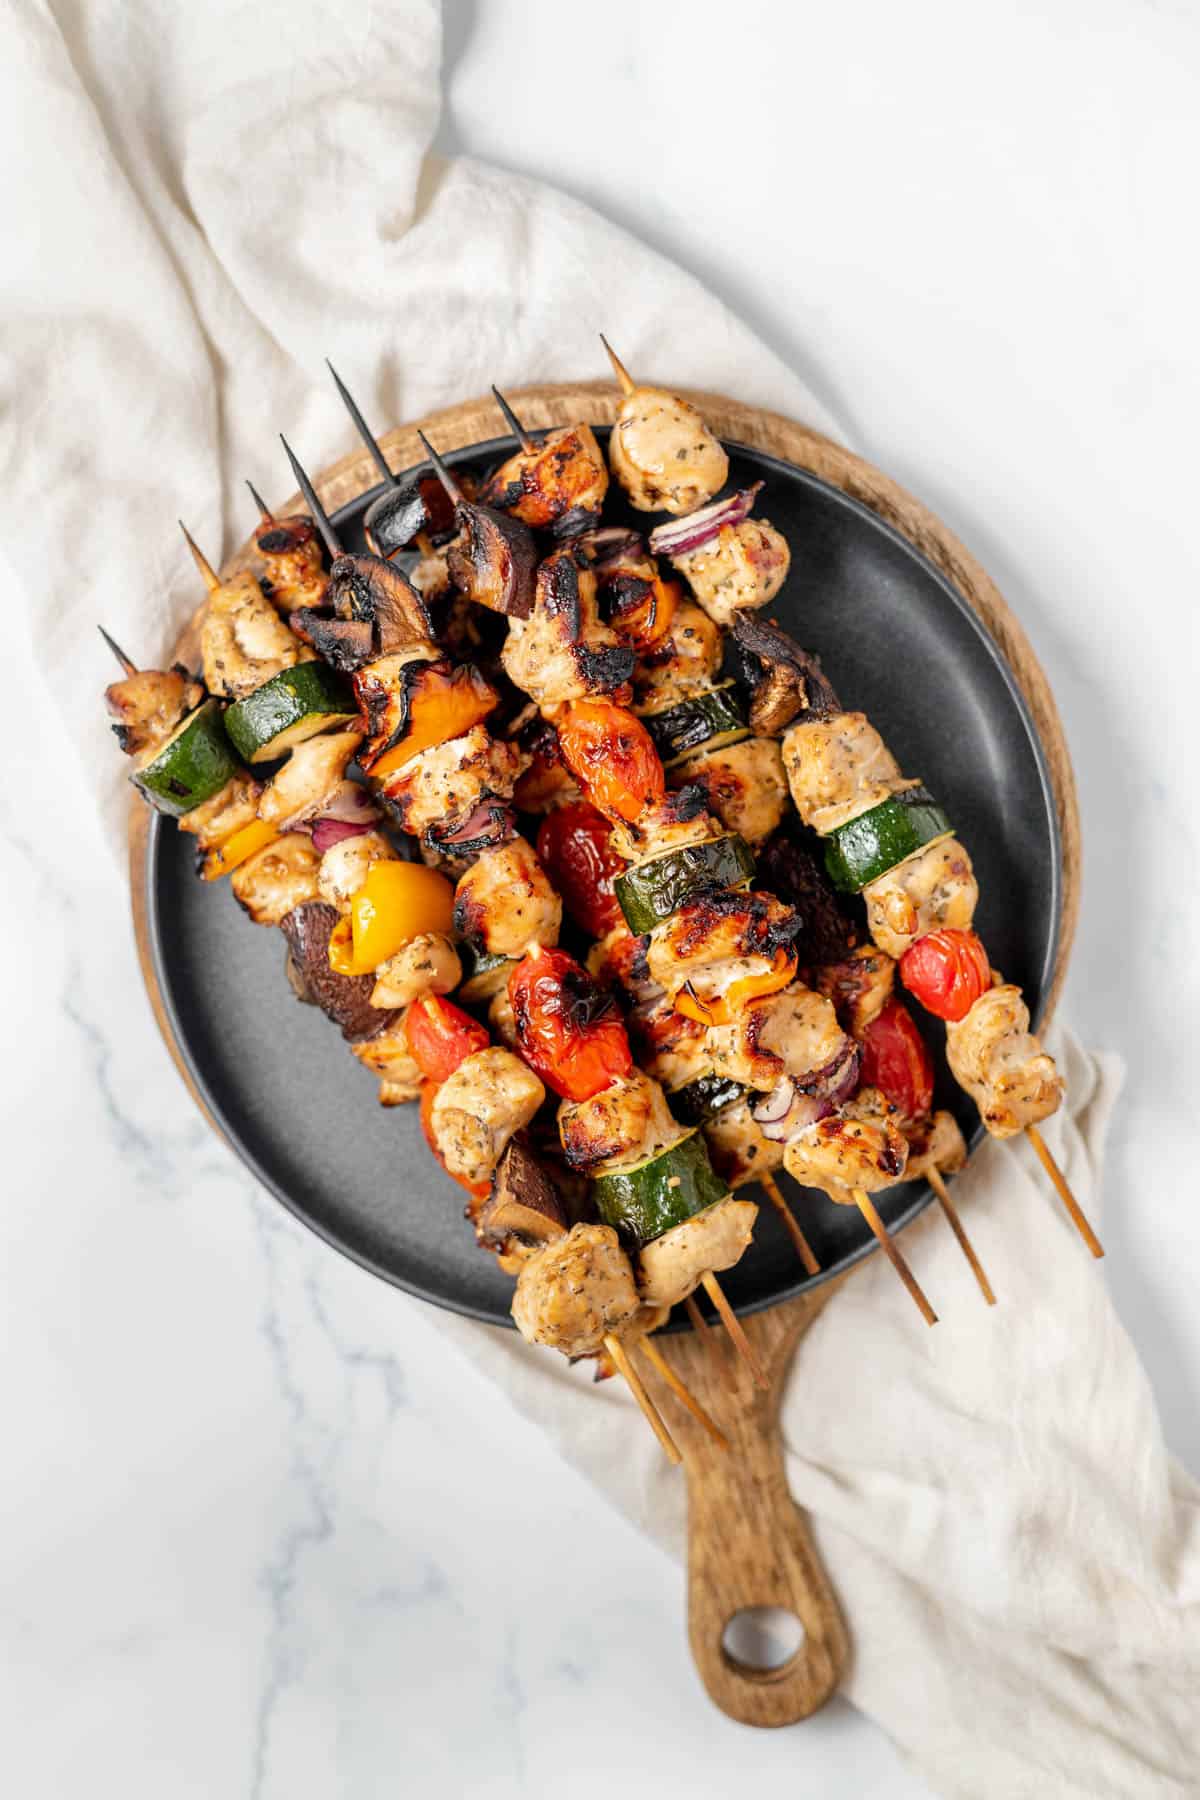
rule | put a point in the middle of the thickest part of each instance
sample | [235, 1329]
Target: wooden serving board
[749, 1545]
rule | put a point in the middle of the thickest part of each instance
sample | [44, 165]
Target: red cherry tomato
[573, 845]
[567, 1027]
[441, 1035]
[612, 756]
[946, 971]
[479, 1190]
[896, 1061]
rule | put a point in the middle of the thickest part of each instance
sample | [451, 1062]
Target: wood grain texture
[748, 1543]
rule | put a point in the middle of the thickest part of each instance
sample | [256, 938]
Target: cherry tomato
[568, 1030]
[573, 845]
[441, 1035]
[613, 758]
[479, 1190]
[896, 1061]
[946, 971]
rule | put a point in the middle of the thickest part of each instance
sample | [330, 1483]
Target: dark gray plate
[898, 642]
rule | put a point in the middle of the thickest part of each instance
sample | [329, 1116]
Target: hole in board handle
[762, 1640]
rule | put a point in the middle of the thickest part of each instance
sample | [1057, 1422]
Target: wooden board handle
[749, 1544]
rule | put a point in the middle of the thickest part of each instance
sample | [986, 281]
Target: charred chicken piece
[995, 1057]
[786, 683]
[743, 785]
[560, 650]
[935, 1143]
[859, 987]
[794, 1033]
[243, 641]
[720, 940]
[629, 1118]
[547, 781]
[740, 569]
[443, 785]
[278, 879]
[148, 705]
[416, 698]
[680, 818]
[859, 1146]
[576, 1291]
[672, 1267]
[505, 903]
[932, 891]
[556, 484]
[681, 664]
[295, 568]
[837, 768]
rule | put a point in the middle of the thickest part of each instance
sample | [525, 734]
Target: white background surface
[262, 1533]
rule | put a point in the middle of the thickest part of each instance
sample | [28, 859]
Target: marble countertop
[249, 1546]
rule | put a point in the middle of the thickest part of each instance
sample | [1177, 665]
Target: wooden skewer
[616, 1350]
[681, 1392]
[866, 1207]
[1077, 1214]
[625, 380]
[363, 429]
[441, 471]
[775, 1195]
[514, 424]
[212, 580]
[323, 522]
[268, 517]
[733, 1326]
[934, 1178]
[697, 1319]
[126, 662]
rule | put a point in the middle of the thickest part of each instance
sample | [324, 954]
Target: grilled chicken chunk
[738, 1148]
[505, 903]
[936, 1143]
[291, 550]
[618, 959]
[743, 785]
[449, 780]
[931, 891]
[628, 1119]
[995, 1057]
[859, 987]
[488, 1098]
[671, 1268]
[388, 1056]
[217, 819]
[308, 780]
[346, 865]
[577, 1290]
[148, 706]
[563, 651]
[559, 486]
[281, 877]
[739, 570]
[243, 641]
[795, 1032]
[838, 767]
[427, 964]
[681, 664]
[861, 1146]
[719, 938]
[663, 454]
[676, 821]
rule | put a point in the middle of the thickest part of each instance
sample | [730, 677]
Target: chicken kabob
[503, 899]
[718, 951]
[186, 767]
[991, 1052]
[701, 725]
[888, 840]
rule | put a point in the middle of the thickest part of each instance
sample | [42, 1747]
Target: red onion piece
[680, 536]
[328, 832]
[785, 1112]
[610, 546]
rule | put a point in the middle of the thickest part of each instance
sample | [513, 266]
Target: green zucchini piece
[194, 764]
[863, 849]
[484, 973]
[700, 1100]
[647, 1198]
[692, 722]
[652, 891]
[294, 705]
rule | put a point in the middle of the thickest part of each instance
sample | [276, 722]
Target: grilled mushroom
[785, 681]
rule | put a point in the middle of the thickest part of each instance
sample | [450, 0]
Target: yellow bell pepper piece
[239, 848]
[398, 902]
[723, 1008]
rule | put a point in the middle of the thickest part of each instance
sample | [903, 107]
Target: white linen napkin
[215, 202]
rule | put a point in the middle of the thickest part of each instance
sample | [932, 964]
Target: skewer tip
[267, 516]
[126, 662]
[1076, 1213]
[514, 424]
[320, 517]
[363, 429]
[212, 580]
[625, 380]
[441, 471]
